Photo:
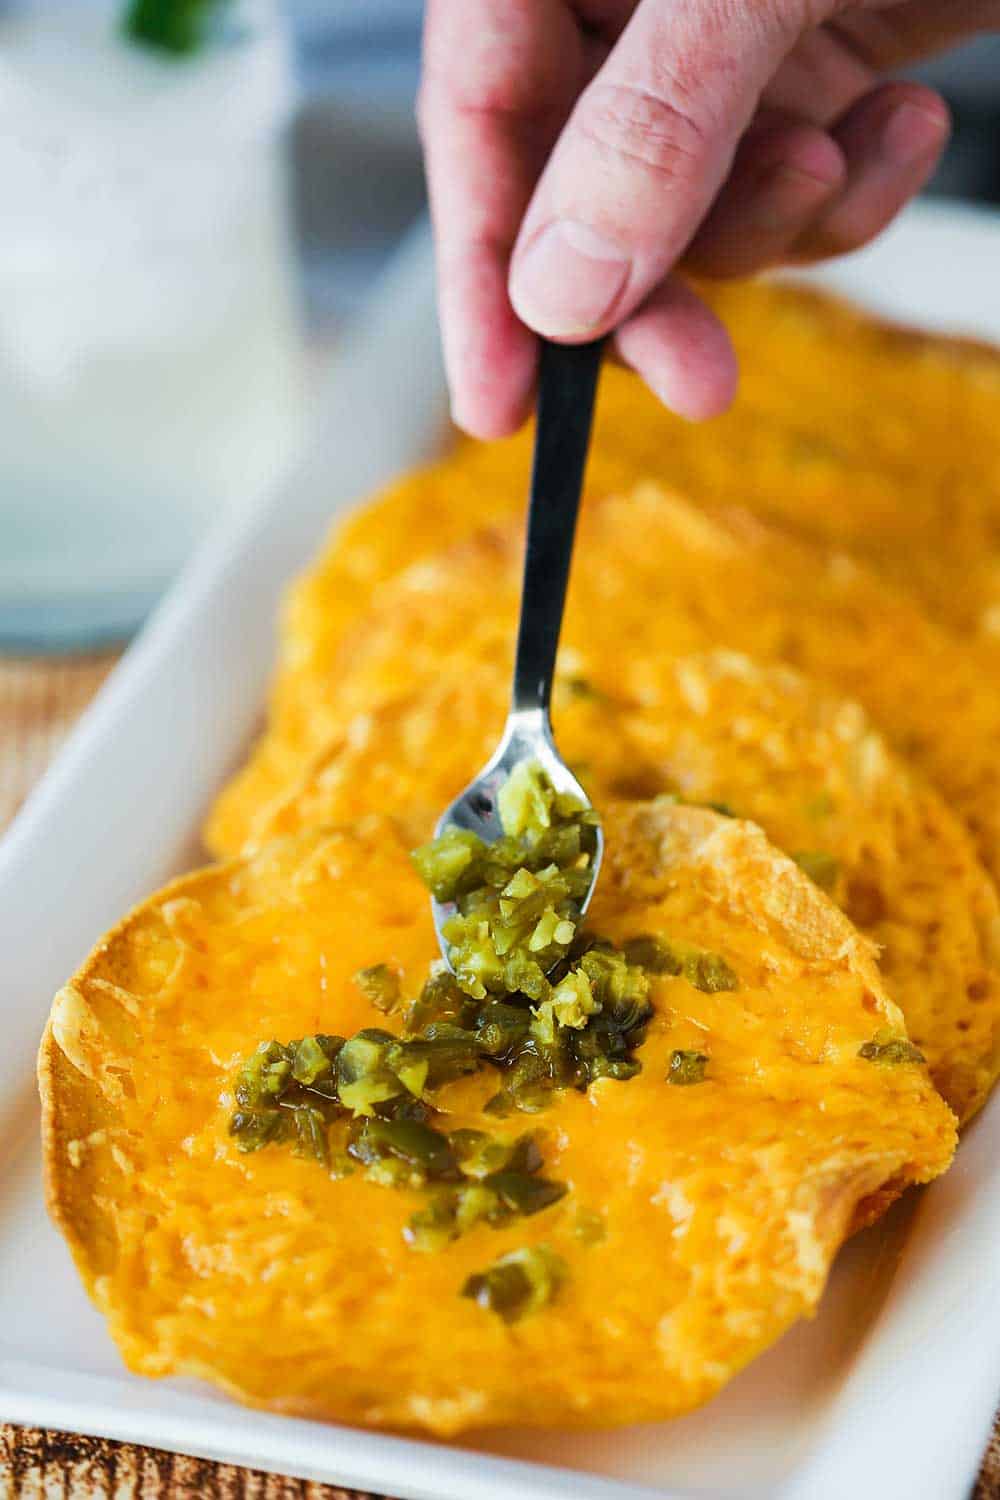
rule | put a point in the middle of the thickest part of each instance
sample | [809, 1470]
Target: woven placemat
[36, 1465]
[39, 702]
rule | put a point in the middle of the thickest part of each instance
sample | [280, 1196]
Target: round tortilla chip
[653, 578]
[720, 1204]
[856, 432]
[860, 434]
[770, 746]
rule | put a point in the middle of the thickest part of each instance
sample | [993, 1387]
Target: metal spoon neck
[527, 725]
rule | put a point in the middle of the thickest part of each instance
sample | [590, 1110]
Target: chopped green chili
[707, 971]
[381, 985]
[518, 899]
[548, 1007]
[519, 1283]
[889, 1050]
[686, 1067]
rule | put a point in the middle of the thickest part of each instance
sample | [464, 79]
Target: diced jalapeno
[381, 985]
[265, 1075]
[519, 1283]
[525, 976]
[433, 1227]
[448, 864]
[419, 1146]
[310, 1133]
[311, 1061]
[363, 1078]
[440, 1000]
[519, 897]
[687, 1067]
[442, 1054]
[709, 972]
[501, 1027]
[890, 1051]
[549, 1006]
[480, 1155]
[653, 954]
[525, 1194]
[256, 1127]
[526, 801]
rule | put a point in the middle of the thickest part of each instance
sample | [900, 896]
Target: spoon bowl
[527, 737]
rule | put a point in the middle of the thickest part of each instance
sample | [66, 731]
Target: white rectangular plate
[888, 1393]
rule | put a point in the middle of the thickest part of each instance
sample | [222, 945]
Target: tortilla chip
[720, 1204]
[865, 436]
[769, 745]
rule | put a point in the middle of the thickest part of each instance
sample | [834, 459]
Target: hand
[578, 149]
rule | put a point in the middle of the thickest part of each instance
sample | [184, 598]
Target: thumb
[646, 149]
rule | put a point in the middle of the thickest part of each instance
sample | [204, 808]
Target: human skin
[578, 150]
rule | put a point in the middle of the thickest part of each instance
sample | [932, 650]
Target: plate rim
[211, 1427]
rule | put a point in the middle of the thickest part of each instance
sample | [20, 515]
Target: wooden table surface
[39, 700]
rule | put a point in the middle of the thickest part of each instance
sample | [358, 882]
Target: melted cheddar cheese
[806, 766]
[721, 1204]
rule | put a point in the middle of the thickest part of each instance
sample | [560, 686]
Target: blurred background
[194, 204]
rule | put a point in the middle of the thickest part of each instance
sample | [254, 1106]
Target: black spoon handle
[567, 385]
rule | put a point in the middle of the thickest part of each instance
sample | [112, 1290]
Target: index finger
[498, 82]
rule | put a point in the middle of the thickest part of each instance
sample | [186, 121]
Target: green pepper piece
[523, 1194]
[501, 1027]
[687, 1067]
[433, 1227]
[526, 800]
[890, 1051]
[410, 1141]
[310, 1133]
[363, 1079]
[476, 1203]
[709, 972]
[448, 864]
[654, 954]
[447, 1051]
[265, 1075]
[257, 1127]
[480, 1155]
[381, 986]
[440, 1000]
[310, 1061]
[519, 1283]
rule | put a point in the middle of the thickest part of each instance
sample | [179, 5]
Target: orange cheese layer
[723, 1203]
[860, 435]
[808, 767]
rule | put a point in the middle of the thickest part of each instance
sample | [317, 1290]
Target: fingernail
[910, 133]
[785, 197]
[568, 279]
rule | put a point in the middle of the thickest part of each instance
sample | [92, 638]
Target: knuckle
[641, 126]
[837, 236]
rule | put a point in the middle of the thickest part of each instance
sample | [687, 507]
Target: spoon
[567, 384]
